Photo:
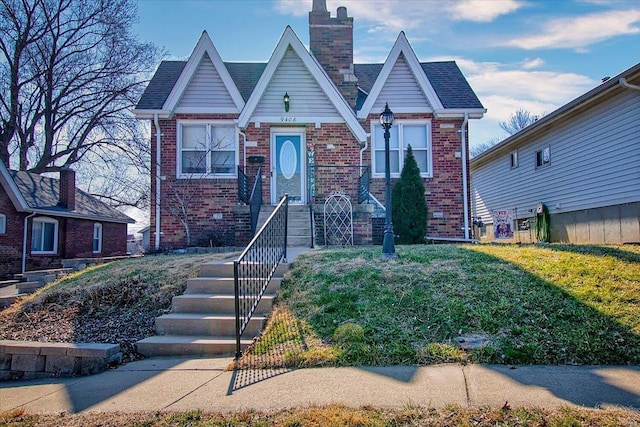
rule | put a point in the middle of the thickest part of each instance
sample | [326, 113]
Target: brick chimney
[68, 189]
[331, 42]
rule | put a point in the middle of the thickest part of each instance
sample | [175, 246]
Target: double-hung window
[44, 236]
[3, 223]
[97, 238]
[207, 149]
[543, 157]
[402, 135]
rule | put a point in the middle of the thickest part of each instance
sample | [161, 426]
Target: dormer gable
[401, 76]
[205, 85]
[291, 50]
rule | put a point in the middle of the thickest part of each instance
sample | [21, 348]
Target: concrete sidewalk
[180, 384]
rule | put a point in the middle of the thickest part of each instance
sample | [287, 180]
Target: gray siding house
[581, 161]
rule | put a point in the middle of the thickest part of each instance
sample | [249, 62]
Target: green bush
[409, 207]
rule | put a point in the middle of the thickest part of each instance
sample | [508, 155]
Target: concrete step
[203, 324]
[299, 231]
[7, 300]
[29, 287]
[220, 286]
[299, 240]
[225, 269]
[219, 304]
[5, 283]
[188, 345]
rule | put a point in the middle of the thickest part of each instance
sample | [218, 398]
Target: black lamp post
[388, 248]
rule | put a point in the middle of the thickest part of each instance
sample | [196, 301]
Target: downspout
[465, 190]
[623, 82]
[244, 157]
[156, 122]
[24, 242]
[366, 145]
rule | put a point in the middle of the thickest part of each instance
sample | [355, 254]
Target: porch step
[205, 324]
[225, 269]
[188, 345]
[11, 292]
[208, 303]
[222, 286]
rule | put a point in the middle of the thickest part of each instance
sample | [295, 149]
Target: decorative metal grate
[255, 267]
[255, 201]
[243, 186]
[338, 220]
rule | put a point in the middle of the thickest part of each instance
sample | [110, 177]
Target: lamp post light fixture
[286, 102]
[388, 248]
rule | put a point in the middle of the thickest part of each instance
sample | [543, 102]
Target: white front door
[288, 166]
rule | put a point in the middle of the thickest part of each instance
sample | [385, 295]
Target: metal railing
[255, 201]
[255, 267]
[243, 186]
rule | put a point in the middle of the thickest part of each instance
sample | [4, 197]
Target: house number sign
[288, 119]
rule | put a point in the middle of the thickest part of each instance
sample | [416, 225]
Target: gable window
[207, 149]
[97, 238]
[402, 135]
[44, 236]
[514, 159]
[543, 157]
[3, 223]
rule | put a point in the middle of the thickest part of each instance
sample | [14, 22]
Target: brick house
[310, 119]
[45, 220]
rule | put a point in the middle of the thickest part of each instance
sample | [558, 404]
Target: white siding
[401, 90]
[307, 97]
[206, 90]
[595, 162]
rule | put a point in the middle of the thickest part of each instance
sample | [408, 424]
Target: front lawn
[557, 304]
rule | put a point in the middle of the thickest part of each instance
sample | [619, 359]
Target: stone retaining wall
[30, 359]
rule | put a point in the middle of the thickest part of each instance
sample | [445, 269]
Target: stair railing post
[236, 286]
[286, 226]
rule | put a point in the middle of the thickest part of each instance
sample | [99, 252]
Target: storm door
[288, 167]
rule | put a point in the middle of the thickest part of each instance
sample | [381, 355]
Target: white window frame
[513, 158]
[45, 220]
[543, 163]
[3, 224]
[209, 149]
[97, 229]
[402, 148]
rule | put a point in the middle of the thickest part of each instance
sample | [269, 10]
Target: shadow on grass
[617, 252]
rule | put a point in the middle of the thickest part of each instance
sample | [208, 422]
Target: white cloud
[482, 10]
[505, 88]
[581, 31]
[529, 64]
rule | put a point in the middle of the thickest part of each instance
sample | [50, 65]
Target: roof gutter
[465, 189]
[623, 82]
[156, 122]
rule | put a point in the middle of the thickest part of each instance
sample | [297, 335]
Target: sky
[535, 55]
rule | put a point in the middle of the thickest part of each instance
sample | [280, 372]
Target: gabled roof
[401, 46]
[618, 82]
[203, 47]
[31, 192]
[290, 39]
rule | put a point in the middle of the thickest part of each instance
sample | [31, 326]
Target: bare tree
[484, 146]
[518, 121]
[70, 73]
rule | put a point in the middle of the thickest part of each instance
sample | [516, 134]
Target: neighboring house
[45, 220]
[581, 161]
[311, 119]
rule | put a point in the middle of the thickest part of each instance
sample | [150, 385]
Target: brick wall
[443, 191]
[11, 241]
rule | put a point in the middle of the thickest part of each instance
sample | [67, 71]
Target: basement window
[514, 159]
[3, 223]
[44, 236]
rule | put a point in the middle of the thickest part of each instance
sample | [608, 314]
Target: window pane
[414, 135]
[36, 236]
[379, 137]
[223, 138]
[3, 224]
[394, 161]
[546, 156]
[194, 136]
[223, 161]
[49, 231]
[421, 159]
[194, 162]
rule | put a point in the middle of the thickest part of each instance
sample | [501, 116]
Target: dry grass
[337, 415]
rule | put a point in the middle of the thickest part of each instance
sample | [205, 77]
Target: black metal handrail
[255, 201]
[363, 186]
[243, 186]
[254, 268]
